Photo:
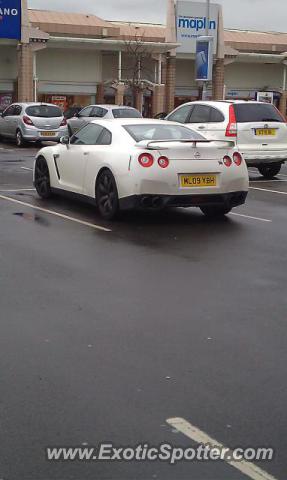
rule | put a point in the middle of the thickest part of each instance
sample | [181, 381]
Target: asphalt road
[107, 334]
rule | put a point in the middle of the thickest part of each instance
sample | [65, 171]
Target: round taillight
[227, 161]
[145, 160]
[237, 158]
[163, 162]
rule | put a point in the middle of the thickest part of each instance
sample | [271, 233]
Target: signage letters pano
[10, 19]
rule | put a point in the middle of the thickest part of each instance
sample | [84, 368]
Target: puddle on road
[32, 217]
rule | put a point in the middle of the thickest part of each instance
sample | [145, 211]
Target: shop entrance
[66, 101]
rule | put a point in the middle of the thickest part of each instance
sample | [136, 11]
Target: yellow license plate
[266, 132]
[47, 134]
[206, 180]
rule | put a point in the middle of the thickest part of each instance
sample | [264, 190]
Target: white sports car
[141, 163]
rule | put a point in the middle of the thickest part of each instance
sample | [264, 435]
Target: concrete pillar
[139, 100]
[170, 82]
[218, 80]
[25, 73]
[100, 96]
[158, 99]
[283, 103]
[120, 91]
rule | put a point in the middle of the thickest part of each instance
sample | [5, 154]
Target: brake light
[237, 158]
[163, 162]
[231, 129]
[63, 122]
[27, 120]
[145, 160]
[227, 161]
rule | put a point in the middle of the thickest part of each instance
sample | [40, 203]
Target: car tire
[269, 171]
[42, 178]
[216, 211]
[20, 142]
[107, 195]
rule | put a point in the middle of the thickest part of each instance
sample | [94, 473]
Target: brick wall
[25, 73]
[158, 100]
[218, 80]
[283, 103]
[170, 82]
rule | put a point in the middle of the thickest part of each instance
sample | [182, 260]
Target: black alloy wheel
[107, 195]
[269, 171]
[20, 142]
[42, 178]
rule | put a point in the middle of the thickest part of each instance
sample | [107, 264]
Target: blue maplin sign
[10, 19]
[198, 24]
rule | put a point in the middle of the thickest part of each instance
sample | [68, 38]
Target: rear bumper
[33, 135]
[157, 202]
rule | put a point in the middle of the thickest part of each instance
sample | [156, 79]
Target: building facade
[78, 59]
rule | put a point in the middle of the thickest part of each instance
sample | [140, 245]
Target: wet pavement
[107, 333]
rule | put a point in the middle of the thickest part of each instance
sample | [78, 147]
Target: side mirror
[65, 140]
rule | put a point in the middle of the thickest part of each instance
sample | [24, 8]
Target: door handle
[86, 153]
[201, 127]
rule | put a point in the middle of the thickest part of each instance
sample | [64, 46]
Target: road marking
[266, 190]
[56, 214]
[250, 217]
[279, 180]
[27, 168]
[247, 468]
[20, 190]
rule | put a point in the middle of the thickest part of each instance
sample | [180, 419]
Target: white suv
[258, 129]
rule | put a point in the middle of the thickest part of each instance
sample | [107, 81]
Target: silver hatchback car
[92, 112]
[32, 122]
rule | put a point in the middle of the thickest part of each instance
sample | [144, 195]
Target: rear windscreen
[44, 111]
[161, 131]
[256, 112]
[126, 113]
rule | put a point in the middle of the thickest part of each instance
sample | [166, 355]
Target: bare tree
[140, 56]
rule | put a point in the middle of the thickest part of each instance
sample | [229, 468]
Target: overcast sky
[266, 15]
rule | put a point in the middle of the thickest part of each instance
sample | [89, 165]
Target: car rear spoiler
[154, 144]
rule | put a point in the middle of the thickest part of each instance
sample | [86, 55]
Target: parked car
[258, 129]
[31, 122]
[141, 163]
[100, 111]
[72, 111]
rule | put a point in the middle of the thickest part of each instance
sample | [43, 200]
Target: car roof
[110, 106]
[221, 102]
[35, 104]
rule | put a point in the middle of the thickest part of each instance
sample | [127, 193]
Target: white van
[258, 129]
